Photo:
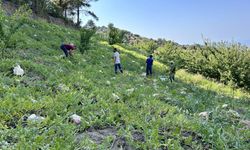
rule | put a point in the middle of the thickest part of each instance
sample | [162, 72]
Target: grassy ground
[150, 113]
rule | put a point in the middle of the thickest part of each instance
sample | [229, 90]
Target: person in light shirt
[117, 61]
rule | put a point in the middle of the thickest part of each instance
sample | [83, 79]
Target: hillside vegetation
[124, 111]
[225, 62]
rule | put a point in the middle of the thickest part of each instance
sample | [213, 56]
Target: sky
[182, 21]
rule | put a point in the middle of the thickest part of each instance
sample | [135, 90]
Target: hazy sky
[183, 21]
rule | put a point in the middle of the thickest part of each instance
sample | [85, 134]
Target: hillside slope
[126, 111]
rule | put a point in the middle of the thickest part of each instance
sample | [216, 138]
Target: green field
[126, 111]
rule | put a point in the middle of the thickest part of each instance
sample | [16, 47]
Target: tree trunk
[34, 6]
[78, 16]
[65, 13]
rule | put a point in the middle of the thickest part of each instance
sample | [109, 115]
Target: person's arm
[114, 57]
[72, 47]
[71, 50]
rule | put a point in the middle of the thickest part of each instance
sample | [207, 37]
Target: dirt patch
[31, 79]
[138, 136]
[195, 137]
[97, 135]
[35, 76]
[120, 144]
[12, 124]
[163, 114]
[246, 123]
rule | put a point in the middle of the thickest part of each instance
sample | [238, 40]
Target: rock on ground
[225, 106]
[204, 115]
[115, 97]
[18, 71]
[75, 119]
[35, 118]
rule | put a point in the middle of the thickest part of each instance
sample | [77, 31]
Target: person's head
[115, 50]
[150, 56]
[171, 63]
[73, 45]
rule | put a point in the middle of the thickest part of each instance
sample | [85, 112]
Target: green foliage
[54, 10]
[15, 22]
[59, 8]
[150, 113]
[86, 33]
[147, 45]
[40, 7]
[225, 62]
[2, 35]
[115, 35]
[169, 51]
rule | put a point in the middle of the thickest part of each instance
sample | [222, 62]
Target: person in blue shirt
[149, 63]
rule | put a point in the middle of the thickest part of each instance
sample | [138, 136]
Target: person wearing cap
[149, 66]
[68, 49]
[172, 71]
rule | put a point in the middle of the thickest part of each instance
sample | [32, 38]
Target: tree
[115, 35]
[39, 6]
[83, 6]
[86, 33]
[59, 8]
[63, 4]
[113, 32]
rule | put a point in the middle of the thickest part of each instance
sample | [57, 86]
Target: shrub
[115, 35]
[11, 26]
[86, 33]
[225, 62]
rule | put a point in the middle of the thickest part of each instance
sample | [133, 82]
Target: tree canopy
[60, 8]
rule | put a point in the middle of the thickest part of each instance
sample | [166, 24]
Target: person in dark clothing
[149, 63]
[68, 49]
[172, 72]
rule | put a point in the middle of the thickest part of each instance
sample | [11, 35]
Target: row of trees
[59, 8]
[223, 61]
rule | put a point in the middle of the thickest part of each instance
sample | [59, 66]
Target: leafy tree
[63, 4]
[169, 51]
[83, 6]
[59, 8]
[225, 62]
[115, 35]
[86, 33]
